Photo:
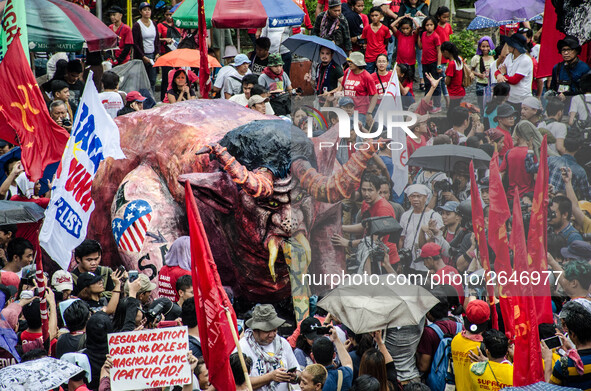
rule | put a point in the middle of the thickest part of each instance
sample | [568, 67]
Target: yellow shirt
[460, 346]
[495, 377]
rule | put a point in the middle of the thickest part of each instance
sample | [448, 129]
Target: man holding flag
[94, 138]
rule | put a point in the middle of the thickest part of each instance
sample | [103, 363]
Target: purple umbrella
[501, 10]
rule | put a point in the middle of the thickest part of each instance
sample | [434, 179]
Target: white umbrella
[43, 374]
[379, 303]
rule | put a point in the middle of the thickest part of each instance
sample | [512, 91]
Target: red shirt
[507, 142]
[534, 83]
[408, 84]
[307, 21]
[407, 52]
[444, 33]
[395, 5]
[446, 275]
[167, 278]
[381, 82]
[455, 88]
[382, 208]
[360, 87]
[430, 341]
[412, 145]
[375, 41]
[430, 44]
[364, 20]
[124, 37]
[514, 165]
[31, 341]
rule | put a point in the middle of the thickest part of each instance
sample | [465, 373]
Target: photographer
[559, 219]
[373, 205]
[59, 113]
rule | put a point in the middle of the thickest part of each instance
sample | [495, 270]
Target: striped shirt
[570, 377]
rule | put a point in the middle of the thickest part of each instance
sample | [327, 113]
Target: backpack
[441, 376]
[467, 75]
[582, 128]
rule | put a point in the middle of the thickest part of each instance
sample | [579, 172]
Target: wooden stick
[244, 369]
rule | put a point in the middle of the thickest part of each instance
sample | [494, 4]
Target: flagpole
[237, 341]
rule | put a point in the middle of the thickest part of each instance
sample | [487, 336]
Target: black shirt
[76, 89]
[68, 343]
[257, 64]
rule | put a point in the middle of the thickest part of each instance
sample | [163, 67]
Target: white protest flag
[94, 137]
[392, 102]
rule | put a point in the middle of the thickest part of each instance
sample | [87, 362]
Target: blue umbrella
[283, 13]
[482, 22]
[48, 173]
[502, 10]
[309, 46]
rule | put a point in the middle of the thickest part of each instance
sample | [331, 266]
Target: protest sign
[149, 358]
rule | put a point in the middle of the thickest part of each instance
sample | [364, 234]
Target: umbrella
[42, 374]
[240, 14]
[482, 22]
[370, 307]
[309, 46]
[444, 157]
[185, 58]
[541, 386]
[48, 173]
[59, 25]
[502, 10]
[18, 212]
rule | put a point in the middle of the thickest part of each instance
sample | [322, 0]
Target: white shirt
[277, 35]
[233, 83]
[411, 223]
[242, 101]
[258, 365]
[577, 105]
[148, 36]
[112, 102]
[522, 65]
[558, 130]
[220, 79]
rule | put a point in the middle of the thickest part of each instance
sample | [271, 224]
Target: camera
[441, 186]
[156, 312]
[66, 122]
[321, 330]
[405, 256]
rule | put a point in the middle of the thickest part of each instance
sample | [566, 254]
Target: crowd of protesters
[514, 109]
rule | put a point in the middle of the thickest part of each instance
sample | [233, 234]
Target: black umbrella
[17, 212]
[444, 157]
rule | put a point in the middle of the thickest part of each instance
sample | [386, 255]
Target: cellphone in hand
[292, 370]
[132, 275]
[322, 330]
[553, 342]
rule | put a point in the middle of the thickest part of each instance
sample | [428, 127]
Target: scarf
[574, 355]
[326, 30]
[272, 75]
[269, 362]
[472, 337]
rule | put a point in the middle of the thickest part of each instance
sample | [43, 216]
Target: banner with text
[94, 137]
[150, 358]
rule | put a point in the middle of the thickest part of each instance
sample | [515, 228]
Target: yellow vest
[460, 346]
[495, 377]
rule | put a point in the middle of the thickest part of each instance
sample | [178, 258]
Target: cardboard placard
[150, 358]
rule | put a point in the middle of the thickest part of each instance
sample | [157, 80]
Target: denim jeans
[480, 96]
[286, 57]
[151, 71]
[391, 52]
[432, 69]
[420, 65]
[370, 67]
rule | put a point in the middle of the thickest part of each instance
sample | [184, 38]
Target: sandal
[422, 86]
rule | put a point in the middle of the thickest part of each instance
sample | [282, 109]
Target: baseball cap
[87, 279]
[308, 327]
[9, 278]
[240, 59]
[430, 250]
[3, 143]
[477, 315]
[62, 280]
[578, 249]
[135, 96]
[145, 284]
[143, 5]
[255, 99]
[450, 206]
[346, 100]
[116, 9]
[379, 3]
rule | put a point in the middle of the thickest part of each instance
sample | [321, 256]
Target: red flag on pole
[498, 215]
[479, 232]
[537, 240]
[23, 109]
[527, 361]
[217, 341]
[204, 82]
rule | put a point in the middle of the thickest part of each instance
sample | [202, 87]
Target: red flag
[217, 341]
[527, 361]
[478, 223]
[42, 141]
[537, 241]
[204, 82]
[498, 214]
